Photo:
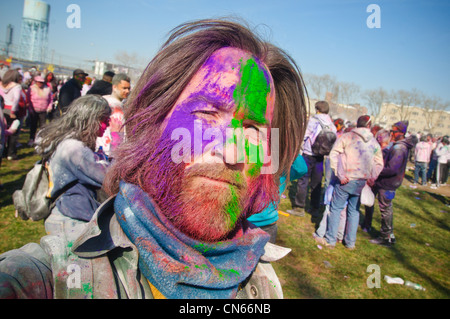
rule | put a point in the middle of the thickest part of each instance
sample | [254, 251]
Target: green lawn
[420, 255]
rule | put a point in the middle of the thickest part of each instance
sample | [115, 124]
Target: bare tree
[375, 99]
[314, 84]
[431, 106]
[405, 99]
[348, 92]
[329, 84]
[320, 85]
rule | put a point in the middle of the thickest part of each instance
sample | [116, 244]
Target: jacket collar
[102, 233]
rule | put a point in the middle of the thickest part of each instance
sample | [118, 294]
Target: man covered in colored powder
[200, 124]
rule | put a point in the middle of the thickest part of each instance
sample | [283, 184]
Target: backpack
[32, 201]
[324, 141]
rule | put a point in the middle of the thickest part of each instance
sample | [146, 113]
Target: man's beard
[205, 201]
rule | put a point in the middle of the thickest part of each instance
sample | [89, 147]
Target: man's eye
[204, 113]
[251, 133]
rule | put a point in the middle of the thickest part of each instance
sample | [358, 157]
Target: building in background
[34, 31]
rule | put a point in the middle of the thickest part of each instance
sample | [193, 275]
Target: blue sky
[410, 50]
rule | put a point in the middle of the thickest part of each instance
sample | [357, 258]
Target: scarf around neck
[179, 266]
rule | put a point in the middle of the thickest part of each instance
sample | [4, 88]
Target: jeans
[431, 169]
[315, 173]
[420, 168]
[320, 232]
[349, 193]
[385, 198]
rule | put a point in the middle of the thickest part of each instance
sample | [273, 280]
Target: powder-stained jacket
[391, 177]
[101, 263]
[75, 169]
[362, 154]
[40, 100]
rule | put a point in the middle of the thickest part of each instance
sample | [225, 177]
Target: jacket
[40, 100]
[11, 95]
[74, 168]
[102, 263]
[363, 157]
[396, 158]
[100, 87]
[70, 91]
[422, 152]
[443, 153]
[313, 129]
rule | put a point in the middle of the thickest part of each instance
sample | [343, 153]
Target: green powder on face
[250, 95]
[232, 207]
[254, 158]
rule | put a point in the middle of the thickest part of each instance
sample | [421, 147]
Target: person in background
[267, 219]
[76, 173]
[103, 86]
[3, 127]
[15, 104]
[339, 124]
[313, 178]
[383, 138]
[442, 153]
[40, 103]
[422, 158]
[363, 163]
[70, 91]
[86, 86]
[390, 178]
[121, 89]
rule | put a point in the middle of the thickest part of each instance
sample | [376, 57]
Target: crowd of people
[137, 224]
[31, 99]
[363, 155]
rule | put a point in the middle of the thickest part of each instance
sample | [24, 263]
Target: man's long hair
[187, 48]
[81, 122]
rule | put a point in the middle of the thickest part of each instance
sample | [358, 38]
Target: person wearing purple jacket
[390, 178]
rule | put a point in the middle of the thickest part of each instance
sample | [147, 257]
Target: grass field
[421, 255]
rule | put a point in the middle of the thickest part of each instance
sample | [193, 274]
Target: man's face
[231, 92]
[80, 78]
[396, 134]
[122, 90]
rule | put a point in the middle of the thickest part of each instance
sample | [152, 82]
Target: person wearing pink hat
[40, 103]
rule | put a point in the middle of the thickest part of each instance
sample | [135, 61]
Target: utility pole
[9, 37]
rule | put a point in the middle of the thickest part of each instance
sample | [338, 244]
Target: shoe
[322, 241]
[12, 158]
[413, 185]
[350, 247]
[366, 229]
[30, 143]
[388, 242]
[297, 211]
[433, 186]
